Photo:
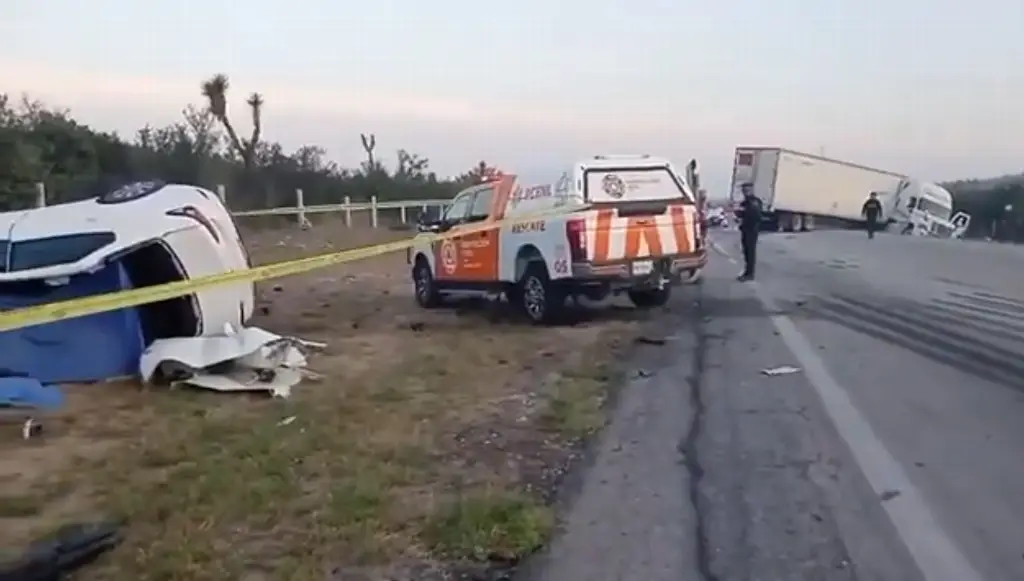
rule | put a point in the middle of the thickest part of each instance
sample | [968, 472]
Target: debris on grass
[246, 360]
[362, 472]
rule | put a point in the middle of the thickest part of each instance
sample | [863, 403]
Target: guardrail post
[401, 210]
[40, 195]
[222, 193]
[300, 205]
[373, 211]
[348, 211]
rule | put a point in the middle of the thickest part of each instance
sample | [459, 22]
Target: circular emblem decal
[449, 256]
[613, 186]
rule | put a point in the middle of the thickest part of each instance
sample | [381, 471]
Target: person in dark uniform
[872, 212]
[750, 211]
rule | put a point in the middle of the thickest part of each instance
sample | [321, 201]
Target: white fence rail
[301, 210]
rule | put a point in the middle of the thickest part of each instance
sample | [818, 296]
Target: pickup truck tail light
[702, 225]
[574, 232]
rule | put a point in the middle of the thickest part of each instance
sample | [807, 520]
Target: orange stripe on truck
[603, 236]
[645, 229]
[679, 220]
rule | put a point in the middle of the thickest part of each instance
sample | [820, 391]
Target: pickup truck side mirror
[428, 222]
[436, 226]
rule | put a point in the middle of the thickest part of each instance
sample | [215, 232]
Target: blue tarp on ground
[89, 348]
[28, 392]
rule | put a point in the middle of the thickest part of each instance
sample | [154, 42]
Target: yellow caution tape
[48, 313]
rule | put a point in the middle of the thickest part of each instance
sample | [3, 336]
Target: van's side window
[482, 204]
[459, 209]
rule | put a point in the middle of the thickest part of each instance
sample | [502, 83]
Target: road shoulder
[777, 494]
[629, 514]
[781, 496]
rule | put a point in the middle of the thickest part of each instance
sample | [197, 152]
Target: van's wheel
[649, 299]
[542, 299]
[427, 295]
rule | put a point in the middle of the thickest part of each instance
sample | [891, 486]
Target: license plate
[643, 267]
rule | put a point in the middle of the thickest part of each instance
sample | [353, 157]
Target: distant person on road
[872, 212]
[750, 211]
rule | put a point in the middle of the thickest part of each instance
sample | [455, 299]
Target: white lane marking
[718, 248]
[934, 552]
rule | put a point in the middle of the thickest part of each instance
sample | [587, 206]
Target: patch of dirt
[434, 440]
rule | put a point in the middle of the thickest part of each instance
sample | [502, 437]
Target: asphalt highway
[893, 450]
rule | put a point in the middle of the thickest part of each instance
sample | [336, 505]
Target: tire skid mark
[1001, 304]
[985, 327]
[1011, 302]
[915, 330]
[976, 309]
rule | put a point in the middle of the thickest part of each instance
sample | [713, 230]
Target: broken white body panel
[248, 360]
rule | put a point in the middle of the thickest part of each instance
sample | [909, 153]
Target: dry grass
[435, 438]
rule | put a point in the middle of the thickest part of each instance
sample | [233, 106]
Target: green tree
[41, 144]
[996, 206]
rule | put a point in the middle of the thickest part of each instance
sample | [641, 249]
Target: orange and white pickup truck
[610, 224]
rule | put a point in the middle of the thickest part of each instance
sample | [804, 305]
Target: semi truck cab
[925, 209]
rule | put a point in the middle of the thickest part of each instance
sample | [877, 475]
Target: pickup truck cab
[611, 224]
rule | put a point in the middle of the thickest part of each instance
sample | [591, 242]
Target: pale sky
[932, 88]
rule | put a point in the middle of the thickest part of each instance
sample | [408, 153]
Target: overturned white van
[142, 234]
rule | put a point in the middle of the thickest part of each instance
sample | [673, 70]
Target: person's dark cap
[746, 185]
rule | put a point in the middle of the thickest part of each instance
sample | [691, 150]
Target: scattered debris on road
[889, 495]
[784, 370]
[644, 340]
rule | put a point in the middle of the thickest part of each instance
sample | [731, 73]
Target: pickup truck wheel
[542, 299]
[649, 299]
[427, 295]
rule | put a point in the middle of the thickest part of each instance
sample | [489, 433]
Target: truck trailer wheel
[650, 298]
[427, 295]
[542, 299]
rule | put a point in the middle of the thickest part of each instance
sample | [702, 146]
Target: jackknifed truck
[800, 189]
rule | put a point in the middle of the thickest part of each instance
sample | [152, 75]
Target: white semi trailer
[798, 187]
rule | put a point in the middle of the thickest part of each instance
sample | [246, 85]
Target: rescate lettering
[534, 226]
